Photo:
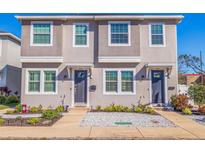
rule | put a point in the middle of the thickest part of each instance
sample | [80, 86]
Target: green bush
[98, 108]
[12, 100]
[197, 93]
[186, 111]
[2, 121]
[59, 109]
[138, 109]
[2, 99]
[18, 118]
[33, 121]
[19, 108]
[142, 107]
[34, 109]
[180, 101]
[50, 114]
[149, 110]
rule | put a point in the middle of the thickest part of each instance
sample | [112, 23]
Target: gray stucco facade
[87, 58]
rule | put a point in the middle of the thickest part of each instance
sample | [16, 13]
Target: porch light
[69, 72]
[169, 69]
[90, 72]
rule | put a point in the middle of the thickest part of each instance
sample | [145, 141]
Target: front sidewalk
[69, 128]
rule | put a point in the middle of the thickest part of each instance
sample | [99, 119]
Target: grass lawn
[6, 106]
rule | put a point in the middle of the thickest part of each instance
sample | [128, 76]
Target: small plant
[34, 109]
[50, 114]
[12, 100]
[19, 108]
[33, 121]
[2, 99]
[149, 110]
[180, 101]
[59, 109]
[10, 111]
[186, 111]
[138, 109]
[142, 107]
[18, 118]
[2, 121]
[98, 108]
[202, 109]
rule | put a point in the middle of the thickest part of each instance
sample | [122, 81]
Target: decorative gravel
[108, 119]
[198, 118]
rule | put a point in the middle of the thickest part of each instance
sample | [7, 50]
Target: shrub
[98, 108]
[59, 109]
[149, 110]
[33, 121]
[34, 109]
[2, 121]
[18, 118]
[50, 114]
[197, 93]
[12, 100]
[2, 99]
[202, 109]
[10, 111]
[186, 111]
[138, 109]
[180, 101]
[19, 108]
[142, 107]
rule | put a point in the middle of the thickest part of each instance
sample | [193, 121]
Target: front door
[157, 86]
[80, 87]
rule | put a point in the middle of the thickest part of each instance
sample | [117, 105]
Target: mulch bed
[23, 122]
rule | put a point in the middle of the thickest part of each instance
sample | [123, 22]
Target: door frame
[73, 87]
[165, 85]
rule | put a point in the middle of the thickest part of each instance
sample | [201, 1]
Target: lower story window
[119, 81]
[49, 81]
[41, 81]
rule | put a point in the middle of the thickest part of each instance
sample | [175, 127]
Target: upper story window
[41, 33]
[80, 35]
[119, 33]
[157, 37]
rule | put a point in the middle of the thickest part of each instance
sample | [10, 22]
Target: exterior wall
[105, 50]
[54, 50]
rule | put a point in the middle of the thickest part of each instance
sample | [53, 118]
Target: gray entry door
[80, 86]
[157, 86]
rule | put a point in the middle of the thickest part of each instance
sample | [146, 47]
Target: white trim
[160, 64]
[80, 64]
[119, 59]
[73, 86]
[51, 33]
[1, 47]
[150, 35]
[119, 81]
[109, 34]
[41, 59]
[11, 36]
[41, 81]
[87, 34]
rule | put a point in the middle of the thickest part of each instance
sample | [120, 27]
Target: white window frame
[41, 92]
[119, 82]
[87, 34]
[109, 33]
[150, 35]
[51, 33]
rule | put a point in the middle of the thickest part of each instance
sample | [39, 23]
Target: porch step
[79, 109]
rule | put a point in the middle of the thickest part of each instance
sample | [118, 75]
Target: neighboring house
[188, 79]
[10, 65]
[92, 60]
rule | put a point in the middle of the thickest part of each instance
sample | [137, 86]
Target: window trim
[120, 92]
[41, 92]
[150, 35]
[87, 34]
[31, 33]
[109, 34]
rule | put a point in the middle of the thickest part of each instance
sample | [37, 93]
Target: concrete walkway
[68, 128]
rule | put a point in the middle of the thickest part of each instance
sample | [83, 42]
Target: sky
[190, 32]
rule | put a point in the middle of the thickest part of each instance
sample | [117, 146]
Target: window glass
[81, 34]
[157, 34]
[41, 33]
[34, 81]
[111, 81]
[119, 33]
[127, 81]
[49, 81]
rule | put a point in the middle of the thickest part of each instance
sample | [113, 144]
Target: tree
[187, 63]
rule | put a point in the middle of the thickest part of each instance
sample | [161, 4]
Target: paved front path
[68, 127]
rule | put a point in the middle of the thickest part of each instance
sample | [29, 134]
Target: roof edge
[11, 36]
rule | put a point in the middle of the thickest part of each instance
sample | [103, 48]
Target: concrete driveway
[68, 128]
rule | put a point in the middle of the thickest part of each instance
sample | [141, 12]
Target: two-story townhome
[90, 60]
[10, 65]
